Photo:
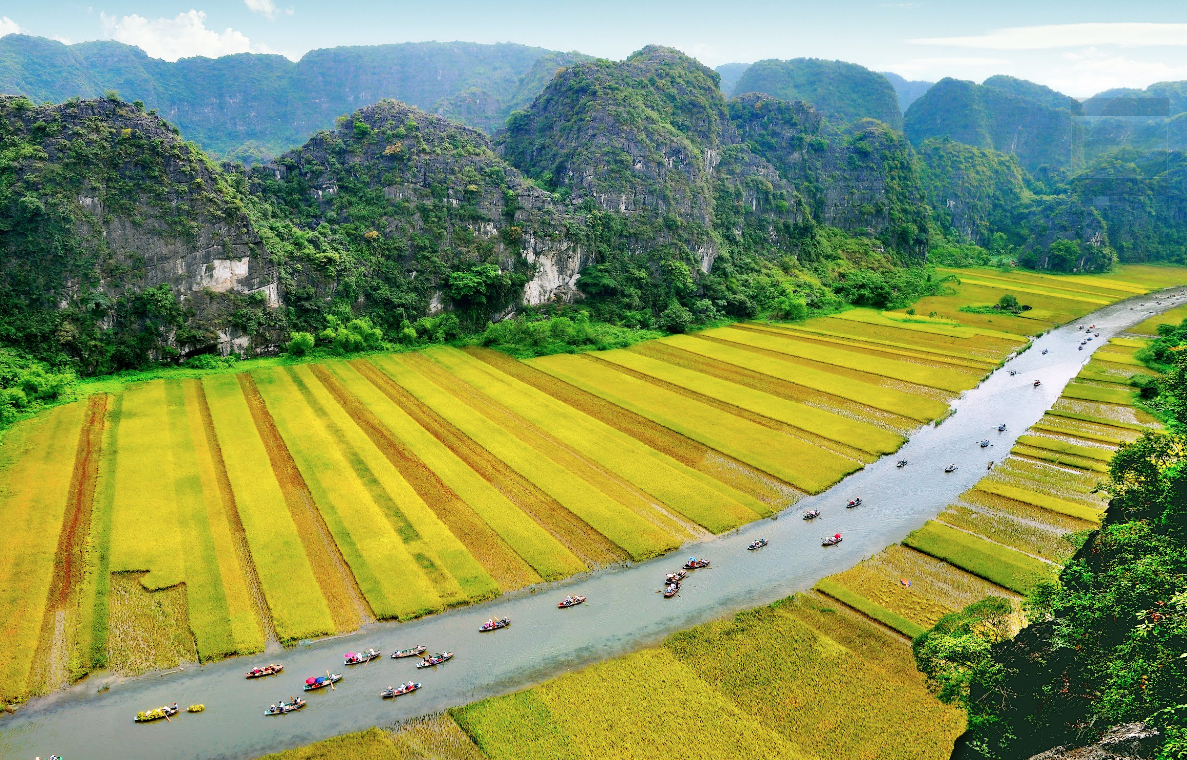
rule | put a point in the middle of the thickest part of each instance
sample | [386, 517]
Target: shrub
[356, 335]
[676, 319]
[300, 343]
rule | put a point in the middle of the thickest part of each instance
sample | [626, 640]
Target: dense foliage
[1108, 644]
[843, 92]
[525, 337]
[27, 385]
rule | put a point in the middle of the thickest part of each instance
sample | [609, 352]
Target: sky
[1079, 47]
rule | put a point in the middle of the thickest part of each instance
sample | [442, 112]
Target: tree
[676, 318]
[300, 343]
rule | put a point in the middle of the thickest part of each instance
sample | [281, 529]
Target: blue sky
[1079, 46]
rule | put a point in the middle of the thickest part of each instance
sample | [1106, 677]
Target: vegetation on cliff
[843, 92]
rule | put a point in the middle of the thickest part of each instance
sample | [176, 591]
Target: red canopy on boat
[311, 680]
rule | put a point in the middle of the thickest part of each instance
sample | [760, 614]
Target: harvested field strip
[617, 486]
[1041, 290]
[1098, 420]
[983, 348]
[434, 737]
[444, 559]
[1173, 316]
[250, 619]
[145, 532]
[869, 608]
[613, 709]
[388, 576]
[1029, 536]
[1113, 413]
[795, 462]
[298, 608]
[1064, 460]
[64, 639]
[1064, 447]
[1084, 392]
[675, 485]
[773, 386]
[885, 349]
[925, 325]
[149, 629]
[525, 521]
[887, 399]
[935, 587]
[1059, 523]
[343, 597]
[638, 537]
[995, 563]
[803, 665]
[851, 433]
[94, 600]
[206, 601]
[772, 493]
[1112, 440]
[38, 466]
[943, 378]
[1043, 478]
[370, 403]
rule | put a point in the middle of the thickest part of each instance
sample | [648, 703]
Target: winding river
[623, 613]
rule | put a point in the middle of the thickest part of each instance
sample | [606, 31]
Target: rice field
[992, 561]
[194, 519]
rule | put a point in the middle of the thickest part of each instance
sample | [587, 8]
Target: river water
[623, 613]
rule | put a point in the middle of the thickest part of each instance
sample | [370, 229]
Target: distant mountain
[1037, 93]
[842, 92]
[730, 74]
[993, 116]
[251, 105]
[908, 91]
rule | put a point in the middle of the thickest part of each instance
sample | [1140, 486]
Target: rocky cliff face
[103, 204]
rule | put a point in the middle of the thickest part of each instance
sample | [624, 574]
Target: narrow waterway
[623, 613]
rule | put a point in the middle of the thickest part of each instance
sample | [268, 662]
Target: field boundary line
[317, 539]
[242, 551]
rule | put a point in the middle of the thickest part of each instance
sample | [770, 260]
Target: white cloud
[180, 37]
[1053, 36]
[938, 67]
[8, 26]
[61, 39]
[263, 7]
[1090, 71]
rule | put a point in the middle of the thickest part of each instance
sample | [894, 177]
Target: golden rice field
[200, 517]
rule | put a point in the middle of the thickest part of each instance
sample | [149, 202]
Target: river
[623, 613]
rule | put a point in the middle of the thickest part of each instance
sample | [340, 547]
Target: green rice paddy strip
[932, 377]
[97, 581]
[923, 324]
[1063, 447]
[1116, 357]
[805, 466]
[389, 577]
[209, 613]
[1042, 500]
[1084, 392]
[888, 399]
[145, 533]
[998, 564]
[955, 358]
[1135, 343]
[1109, 439]
[638, 537]
[444, 559]
[1099, 420]
[825, 424]
[298, 608]
[1076, 283]
[1039, 290]
[869, 607]
[547, 556]
[680, 488]
[1054, 457]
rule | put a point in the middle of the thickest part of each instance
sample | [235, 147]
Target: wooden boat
[286, 707]
[676, 577]
[167, 711]
[695, 564]
[415, 651]
[267, 670]
[760, 543]
[494, 625]
[399, 691]
[985, 443]
[570, 601]
[853, 503]
[950, 468]
[358, 658]
[831, 540]
[670, 590]
[321, 682]
[1001, 428]
[435, 660]
[901, 463]
[812, 514]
